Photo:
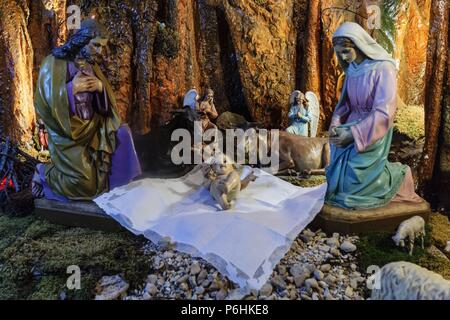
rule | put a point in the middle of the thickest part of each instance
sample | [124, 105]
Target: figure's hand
[85, 83]
[342, 138]
[332, 132]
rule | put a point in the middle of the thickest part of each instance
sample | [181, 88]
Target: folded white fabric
[244, 243]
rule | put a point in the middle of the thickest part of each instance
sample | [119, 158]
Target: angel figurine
[303, 114]
[191, 99]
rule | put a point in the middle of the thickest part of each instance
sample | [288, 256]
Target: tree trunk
[17, 116]
[434, 75]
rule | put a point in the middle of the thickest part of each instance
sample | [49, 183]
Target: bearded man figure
[91, 151]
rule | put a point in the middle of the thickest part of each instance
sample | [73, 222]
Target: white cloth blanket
[244, 243]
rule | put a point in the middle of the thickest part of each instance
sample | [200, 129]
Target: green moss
[410, 121]
[440, 230]
[34, 261]
[11, 228]
[312, 181]
[378, 249]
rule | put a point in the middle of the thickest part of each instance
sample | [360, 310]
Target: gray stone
[333, 242]
[184, 286]
[300, 280]
[335, 252]
[297, 270]
[311, 283]
[348, 247]
[111, 288]
[318, 275]
[195, 268]
[325, 267]
[349, 292]
[330, 279]
[278, 282]
[202, 276]
[152, 278]
[266, 290]
[183, 279]
[151, 289]
[199, 290]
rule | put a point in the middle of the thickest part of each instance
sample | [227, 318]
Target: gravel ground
[318, 267]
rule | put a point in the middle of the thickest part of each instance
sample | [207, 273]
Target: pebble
[318, 275]
[311, 283]
[349, 292]
[325, 267]
[111, 288]
[333, 242]
[202, 276]
[266, 290]
[330, 279]
[313, 269]
[278, 282]
[151, 289]
[300, 280]
[199, 290]
[447, 248]
[297, 270]
[152, 278]
[348, 247]
[195, 268]
[335, 252]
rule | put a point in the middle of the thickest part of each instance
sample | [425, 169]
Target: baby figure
[225, 183]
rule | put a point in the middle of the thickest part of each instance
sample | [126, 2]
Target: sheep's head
[398, 241]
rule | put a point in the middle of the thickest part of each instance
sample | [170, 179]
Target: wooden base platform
[330, 219]
[84, 214]
[387, 218]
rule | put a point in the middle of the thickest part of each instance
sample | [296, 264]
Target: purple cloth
[125, 163]
[84, 104]
[372, 101]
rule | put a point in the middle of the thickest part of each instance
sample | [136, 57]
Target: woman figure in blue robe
[360, 175]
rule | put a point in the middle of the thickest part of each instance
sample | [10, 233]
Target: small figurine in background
[191, 99]
[411, 229]
[298, 114]
[224, 182]
[208, 111]
[43, 135]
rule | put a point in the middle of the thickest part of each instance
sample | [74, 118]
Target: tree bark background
[434, 89]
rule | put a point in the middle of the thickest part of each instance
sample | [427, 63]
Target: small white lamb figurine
[447, 248]
[411, 229]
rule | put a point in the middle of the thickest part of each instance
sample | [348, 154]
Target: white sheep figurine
[408, 281]
[411, 229]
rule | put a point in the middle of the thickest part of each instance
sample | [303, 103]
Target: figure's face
[94, 50]
[222, 169]
[348, 54]
[300, 99]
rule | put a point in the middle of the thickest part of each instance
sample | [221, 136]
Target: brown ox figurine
[302, 154]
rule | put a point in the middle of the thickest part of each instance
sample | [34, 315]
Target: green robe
[80, 150]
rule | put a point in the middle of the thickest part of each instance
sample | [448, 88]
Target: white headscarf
[363, 41]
